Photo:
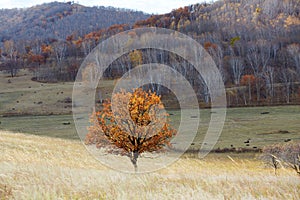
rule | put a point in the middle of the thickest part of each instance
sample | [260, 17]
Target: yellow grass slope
[33, 167]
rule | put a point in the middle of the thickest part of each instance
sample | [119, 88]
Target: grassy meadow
[35, 167]
[282, 124]
[21, 112]
[21, 96]
[42, 157]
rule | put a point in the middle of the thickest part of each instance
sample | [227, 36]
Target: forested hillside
[254, 43]
[52, 21]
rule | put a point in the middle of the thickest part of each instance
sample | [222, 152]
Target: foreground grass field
[34, 167]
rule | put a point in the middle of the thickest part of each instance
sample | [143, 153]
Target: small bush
[283, 155]
[5, 192]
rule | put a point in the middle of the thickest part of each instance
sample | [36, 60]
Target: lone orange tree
[136, 123]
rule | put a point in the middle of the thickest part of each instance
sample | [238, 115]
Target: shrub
[283, 155]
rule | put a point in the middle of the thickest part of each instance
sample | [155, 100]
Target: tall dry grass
[33, 167]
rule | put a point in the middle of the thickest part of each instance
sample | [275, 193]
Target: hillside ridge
[57, 20]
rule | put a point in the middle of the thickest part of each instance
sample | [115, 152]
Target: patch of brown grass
[5, 191]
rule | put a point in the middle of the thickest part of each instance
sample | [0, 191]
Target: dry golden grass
[33, 167]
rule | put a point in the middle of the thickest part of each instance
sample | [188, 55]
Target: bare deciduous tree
[258, 57]
[294, 51]
[269, 76]
[237, 68]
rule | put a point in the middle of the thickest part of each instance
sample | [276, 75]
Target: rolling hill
[58, 20]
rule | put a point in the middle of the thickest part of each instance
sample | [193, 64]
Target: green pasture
[241, 125]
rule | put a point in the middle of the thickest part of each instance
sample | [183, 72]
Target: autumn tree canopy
[136, 124]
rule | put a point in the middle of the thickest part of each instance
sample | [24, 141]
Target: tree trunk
[287, 94]
[237, 96]
[11, 72]
[257, 92]
[133, 158]
[244, 96]
[249, 92]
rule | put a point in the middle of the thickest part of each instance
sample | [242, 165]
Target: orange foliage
[117, 28]
[134, 128]
[36, 59]
[46, 48]
[165, 21]
[209, 45]
[181, 12]
[248, 79]
[89, 36]
[78, 42]
[150, 22]
[132, 34]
